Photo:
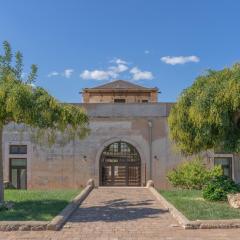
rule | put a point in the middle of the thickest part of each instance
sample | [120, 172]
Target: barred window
[18, 149]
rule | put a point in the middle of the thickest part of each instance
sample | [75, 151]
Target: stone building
[120, 92]
[128, 145]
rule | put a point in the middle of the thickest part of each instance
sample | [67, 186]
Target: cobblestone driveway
[123, 214]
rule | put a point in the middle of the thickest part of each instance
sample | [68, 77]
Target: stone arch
[136, 145]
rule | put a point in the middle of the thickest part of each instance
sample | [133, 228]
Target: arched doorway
[120, 165]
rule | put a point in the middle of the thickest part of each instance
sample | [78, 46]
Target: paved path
[120, 212]
[123, 214]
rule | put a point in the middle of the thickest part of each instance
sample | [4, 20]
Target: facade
[120, 92]
[128, 145]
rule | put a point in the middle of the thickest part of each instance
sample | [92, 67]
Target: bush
[218, 188]
[192, 174]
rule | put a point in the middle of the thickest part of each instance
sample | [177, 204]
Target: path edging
[56, 222]
[23, 225]
[63, 216]
[197, 224]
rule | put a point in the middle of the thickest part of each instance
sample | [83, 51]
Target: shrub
[192, 174]
[218, 188]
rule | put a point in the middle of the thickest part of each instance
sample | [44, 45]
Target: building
[120, 92]
[128, 145]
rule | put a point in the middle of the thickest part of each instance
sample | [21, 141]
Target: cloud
[146, 51]
[119, 61]
[179, 59]
[95, 75]
[119, 68]
[23, 75]
[32, 85]
[53, 74]
[68, 73]
[137, 74]
[110, 72]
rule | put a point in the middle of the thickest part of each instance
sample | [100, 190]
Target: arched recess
[120, 165]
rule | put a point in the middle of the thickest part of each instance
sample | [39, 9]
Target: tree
[22, 102]
[206, 115]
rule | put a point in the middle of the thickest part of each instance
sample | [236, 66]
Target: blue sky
[84, 43]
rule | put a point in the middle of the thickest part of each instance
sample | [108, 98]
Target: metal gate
[120, 165]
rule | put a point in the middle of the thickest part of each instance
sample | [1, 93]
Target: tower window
[120, 100]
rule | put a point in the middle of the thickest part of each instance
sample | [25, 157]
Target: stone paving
[123, 214]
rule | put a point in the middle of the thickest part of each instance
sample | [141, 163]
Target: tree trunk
[1, 167]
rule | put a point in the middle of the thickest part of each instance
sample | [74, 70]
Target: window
[120, 100]
[18, 172]
[226, 164]
[18, 149]
[144, 101]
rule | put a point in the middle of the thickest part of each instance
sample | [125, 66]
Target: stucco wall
[71, 166]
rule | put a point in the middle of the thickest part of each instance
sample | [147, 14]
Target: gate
[120, 165]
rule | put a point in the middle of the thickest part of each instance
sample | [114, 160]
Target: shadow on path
[117, 210]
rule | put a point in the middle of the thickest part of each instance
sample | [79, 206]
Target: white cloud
[119, 61]
[119, 68]
[23, 75]
[68, 73]
[95, 75]
[32, 85]
[146, 51]
[137, 74]
[53, 74]
[110, 72]
[173, 60]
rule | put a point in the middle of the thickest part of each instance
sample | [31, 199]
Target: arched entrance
[120, 165]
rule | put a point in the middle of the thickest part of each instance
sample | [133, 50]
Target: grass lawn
[193, 206]
[36, 205]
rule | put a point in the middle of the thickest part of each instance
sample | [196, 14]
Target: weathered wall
[71, 166]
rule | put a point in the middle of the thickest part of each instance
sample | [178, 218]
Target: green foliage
[206, 115]
[21, 102]
[218, 188]
[192, 174]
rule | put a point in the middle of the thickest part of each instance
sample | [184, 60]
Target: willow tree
[23, 103]
[206, 115]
